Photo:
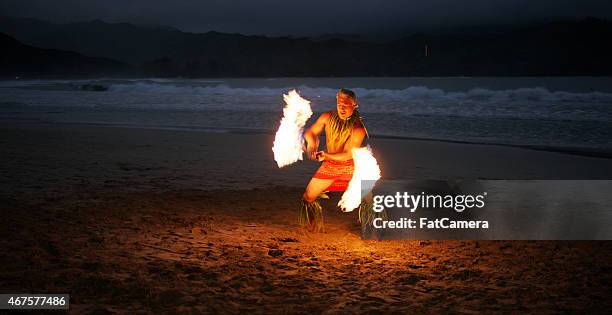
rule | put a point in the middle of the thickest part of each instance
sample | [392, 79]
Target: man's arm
[356, 139]
[312, 135]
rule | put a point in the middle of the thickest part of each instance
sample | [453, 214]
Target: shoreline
[58, 158]
[585, 152]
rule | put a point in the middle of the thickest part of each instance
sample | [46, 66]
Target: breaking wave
[521, 103]
[528, 103]
[516, 113]
[409, 93]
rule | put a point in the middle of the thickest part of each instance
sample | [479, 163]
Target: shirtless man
[344, 130]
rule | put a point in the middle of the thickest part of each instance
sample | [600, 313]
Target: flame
[366, 169]
[289, 142]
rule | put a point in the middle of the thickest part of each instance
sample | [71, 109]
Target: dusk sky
[314, 17]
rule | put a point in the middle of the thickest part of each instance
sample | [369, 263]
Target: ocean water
[568, 113]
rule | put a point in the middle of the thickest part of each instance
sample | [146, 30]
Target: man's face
[346, 106]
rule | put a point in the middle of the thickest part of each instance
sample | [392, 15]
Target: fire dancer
[344, 130]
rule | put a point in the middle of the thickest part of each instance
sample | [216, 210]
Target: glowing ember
[288, 142]
[366, 169]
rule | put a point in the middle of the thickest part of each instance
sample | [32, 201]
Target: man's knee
[369, 197]
[308, 197]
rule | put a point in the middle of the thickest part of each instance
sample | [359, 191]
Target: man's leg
[315, 187]
[367, 216]
[311, 213]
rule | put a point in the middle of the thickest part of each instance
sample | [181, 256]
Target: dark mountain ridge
[20, 60]
[560, 48]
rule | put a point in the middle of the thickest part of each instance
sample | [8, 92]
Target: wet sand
[160, 221]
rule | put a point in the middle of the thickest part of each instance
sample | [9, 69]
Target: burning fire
[289, 142]
[366, 169]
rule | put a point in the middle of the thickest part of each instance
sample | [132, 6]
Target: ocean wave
[522, 115]
[204, 90]
[418, 92]
[522, 103]
[406, 94]
[412, 101]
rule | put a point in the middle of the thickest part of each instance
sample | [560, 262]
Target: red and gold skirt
[340, 171]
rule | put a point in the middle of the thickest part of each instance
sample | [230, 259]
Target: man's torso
[338, 132]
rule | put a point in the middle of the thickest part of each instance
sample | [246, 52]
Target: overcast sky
[307, 17]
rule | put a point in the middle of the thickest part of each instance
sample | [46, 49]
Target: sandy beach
[151, 221]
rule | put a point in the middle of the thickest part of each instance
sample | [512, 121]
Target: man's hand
[311, 153]
[311, 136]
[320, 156]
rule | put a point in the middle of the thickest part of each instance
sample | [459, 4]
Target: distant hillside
[563, 48]
[17, 59]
